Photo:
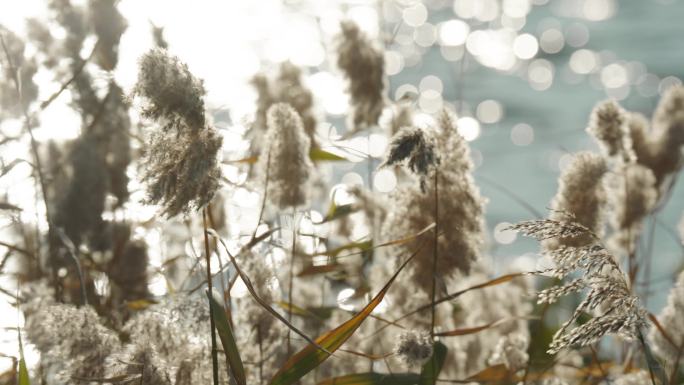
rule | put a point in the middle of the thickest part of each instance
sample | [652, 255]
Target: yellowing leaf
[139, 304]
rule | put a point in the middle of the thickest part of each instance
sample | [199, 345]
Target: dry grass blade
[319, 269]
[125, 378]
[493, 282]
[496, 373]
[477, 329]
[373, 379]
[309, 358]
[368, 245]
[252, 291]
[465, 331]
[374, 357]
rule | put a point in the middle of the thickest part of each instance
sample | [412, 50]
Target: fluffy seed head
[180, 165]
[581, 195]
[660, 147]
[415, 148]
[511, 350]
[668, 132]
[414, 347]
[72, 340]
[396, 116]
[632, 195]
[109, 25]
[670, 319]
[171, 92]
[285, 87]
[286, 162]
[636, 378]
[460, 208]
[607, 125]
[363, 65]
[608, 295]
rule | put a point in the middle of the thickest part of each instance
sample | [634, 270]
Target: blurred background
[523, 76]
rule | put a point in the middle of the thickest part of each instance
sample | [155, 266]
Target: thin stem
[675, 369]
[649, 255]
[434, 256]
[261, 356]
[291, 278]
[37, 165]
[71, 251]
[207, 255]
[34, 143]
[651, 361]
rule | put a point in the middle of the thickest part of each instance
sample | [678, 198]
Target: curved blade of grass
[23, 371]
[374, 357]
[373, 379]
[465, 331]
[309, 358]
[225, 332]
[431, 369]
[250, 288]
[493, 282]
[477, 329]
[368, 245]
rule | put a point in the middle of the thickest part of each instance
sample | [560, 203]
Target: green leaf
[310, 357]
[431, 369]
[335, 212]
[317, 154]
[364, 245]
[373, 379]
[23, 371]
[227, 339]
